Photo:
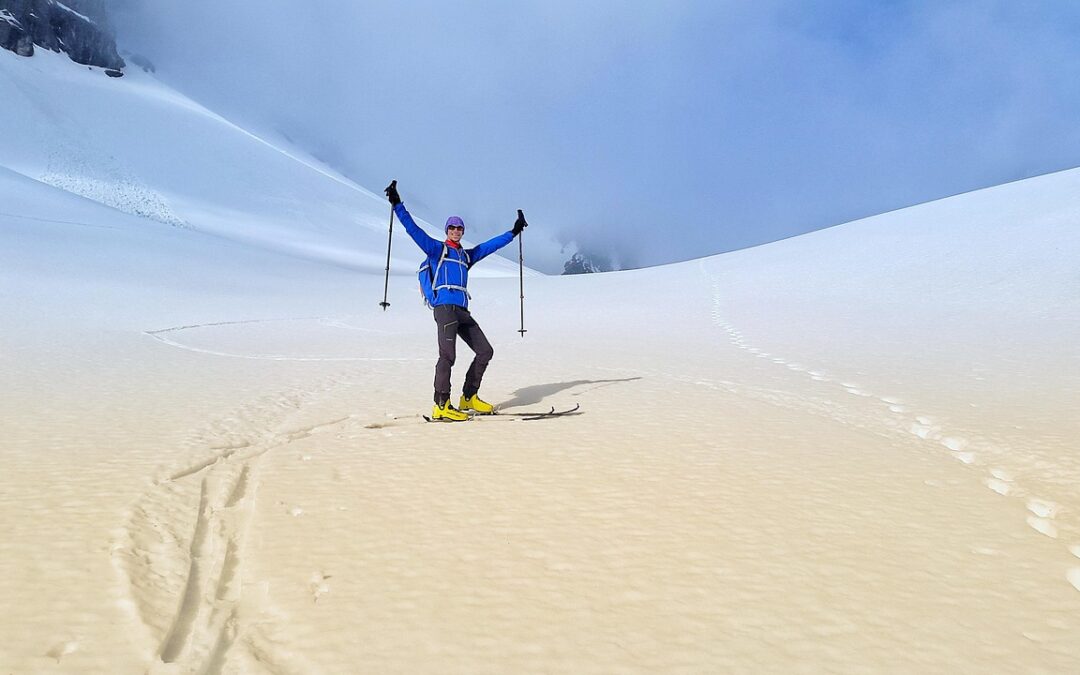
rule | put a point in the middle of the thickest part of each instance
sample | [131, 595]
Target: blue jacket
[453, 276]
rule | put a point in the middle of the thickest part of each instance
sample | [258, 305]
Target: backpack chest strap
[444, 258]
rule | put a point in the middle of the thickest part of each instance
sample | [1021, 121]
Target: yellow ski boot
[476, 405]
[447, 413]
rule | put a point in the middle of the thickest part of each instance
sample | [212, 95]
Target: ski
[515, 416]
[525, 414]
[541, 414]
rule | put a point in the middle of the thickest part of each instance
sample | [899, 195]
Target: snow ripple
[1042, 511]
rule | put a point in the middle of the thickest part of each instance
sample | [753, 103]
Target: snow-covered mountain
[849, 450]
[140, 147]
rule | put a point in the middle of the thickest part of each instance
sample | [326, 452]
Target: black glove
[519, 224]
[392, 195]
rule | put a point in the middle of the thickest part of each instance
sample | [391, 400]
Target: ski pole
[389, 240]
[521, 274]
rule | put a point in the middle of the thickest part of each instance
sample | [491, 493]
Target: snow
[849, 450]
[71, 11]
[6, 15]
[141, 148]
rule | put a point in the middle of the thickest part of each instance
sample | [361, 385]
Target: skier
[450, 263]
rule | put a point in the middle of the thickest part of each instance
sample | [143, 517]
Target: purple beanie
[454, 220]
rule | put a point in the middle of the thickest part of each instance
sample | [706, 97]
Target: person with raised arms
[446, 271]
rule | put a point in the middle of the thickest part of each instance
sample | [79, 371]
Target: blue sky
[646, 132]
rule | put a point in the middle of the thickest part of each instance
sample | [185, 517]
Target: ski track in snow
[902, 418]
[162, 335]
[58, 222]
[180, 553]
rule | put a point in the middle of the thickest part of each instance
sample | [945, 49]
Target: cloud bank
[644, 133]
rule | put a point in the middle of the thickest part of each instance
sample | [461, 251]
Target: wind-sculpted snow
[96, 175]
[193, 615]
[850, 451]
[903, 420]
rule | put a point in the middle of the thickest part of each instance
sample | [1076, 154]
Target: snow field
[849, 450]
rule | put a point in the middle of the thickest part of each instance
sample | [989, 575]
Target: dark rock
[114, 73]
[13, 34]
[580, 263]
[78, 28]
[24, 46]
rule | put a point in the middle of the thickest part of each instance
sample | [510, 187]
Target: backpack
[426, 276]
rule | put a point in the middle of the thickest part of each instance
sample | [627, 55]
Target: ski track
[161, 336]
[901, 419]
[180, 554]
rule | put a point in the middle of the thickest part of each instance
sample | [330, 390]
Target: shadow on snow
[536, 393]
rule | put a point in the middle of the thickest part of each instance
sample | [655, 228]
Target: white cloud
[654, 132]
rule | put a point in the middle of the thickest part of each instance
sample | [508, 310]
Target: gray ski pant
[454, 321]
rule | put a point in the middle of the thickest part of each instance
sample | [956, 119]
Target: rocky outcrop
[581, 264]
[78, 28]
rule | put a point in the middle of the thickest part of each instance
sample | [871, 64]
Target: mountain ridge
[80, 29]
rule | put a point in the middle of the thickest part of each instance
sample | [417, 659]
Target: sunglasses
[456, 227]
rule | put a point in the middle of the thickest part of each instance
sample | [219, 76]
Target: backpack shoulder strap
[435, 272]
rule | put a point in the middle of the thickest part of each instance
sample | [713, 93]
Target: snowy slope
[140, 147]
[850, 450]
